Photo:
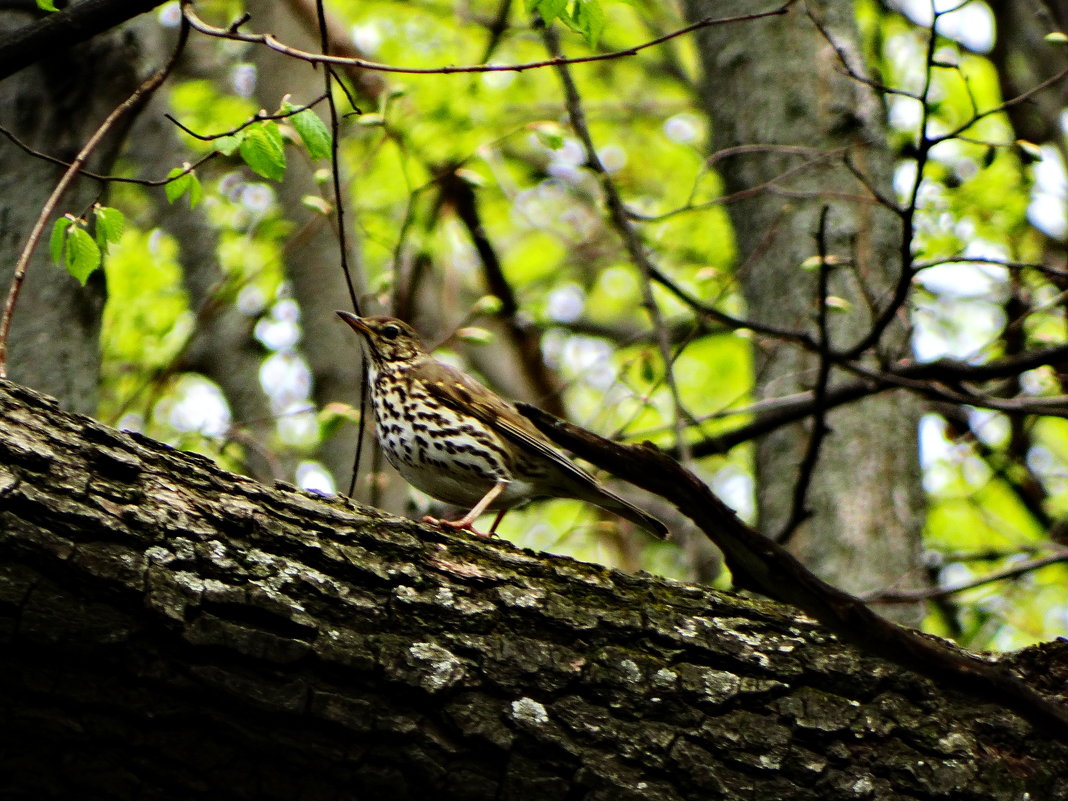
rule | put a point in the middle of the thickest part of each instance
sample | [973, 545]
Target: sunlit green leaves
[227, 145]
[182, 181]
[548, 9]
[110, 223]
[312, 131]
[263, 150]
[585, 17]
[73, 248]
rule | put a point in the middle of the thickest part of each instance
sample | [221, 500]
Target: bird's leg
[466, 522]
[497, 521]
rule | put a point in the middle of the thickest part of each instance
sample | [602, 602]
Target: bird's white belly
[452, 458]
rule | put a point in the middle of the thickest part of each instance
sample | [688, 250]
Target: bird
[459, 442]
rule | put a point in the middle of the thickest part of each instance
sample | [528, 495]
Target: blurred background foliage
[996, 487]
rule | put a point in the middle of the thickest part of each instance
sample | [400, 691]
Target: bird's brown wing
[464, 394]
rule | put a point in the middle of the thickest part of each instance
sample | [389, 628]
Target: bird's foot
[463, 524]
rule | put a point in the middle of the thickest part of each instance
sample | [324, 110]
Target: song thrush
[457, 441]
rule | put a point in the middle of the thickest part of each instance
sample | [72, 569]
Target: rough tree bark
[174, 631]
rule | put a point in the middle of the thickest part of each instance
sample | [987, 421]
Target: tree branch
[176, 631]
[62, 29]
[758, 563]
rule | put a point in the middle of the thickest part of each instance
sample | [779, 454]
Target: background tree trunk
[799, 116]
[311, 257]
[175, 631]
[54, 106]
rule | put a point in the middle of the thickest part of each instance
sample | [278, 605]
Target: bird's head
[390, 342]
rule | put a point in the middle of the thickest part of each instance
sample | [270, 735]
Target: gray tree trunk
[172, 631]
[777, 84]
[54, 106]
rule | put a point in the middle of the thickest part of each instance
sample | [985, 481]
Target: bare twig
[259, 116]
[458, 193]
[268, 40]
[924, 378]
[631, 240]
[799, 511]
[927, 593]
[343, 249]
[119, 179]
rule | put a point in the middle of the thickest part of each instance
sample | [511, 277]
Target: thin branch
[631, 240]
[269, 41]
[924, 378]
[496, 29]
[458, 193]
[799, 511]
[928, 593]
[259, 116]
[343, 249]
[119, 179]
[844, 60]
[54, 33]
[907, 216]
[771, 186]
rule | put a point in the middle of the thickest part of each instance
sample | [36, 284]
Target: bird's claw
[458, 525]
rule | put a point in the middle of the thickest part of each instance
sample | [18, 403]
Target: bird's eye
[390, 331]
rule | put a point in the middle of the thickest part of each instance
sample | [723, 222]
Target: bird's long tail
[613, 503]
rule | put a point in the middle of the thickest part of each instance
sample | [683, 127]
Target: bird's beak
[357, 323]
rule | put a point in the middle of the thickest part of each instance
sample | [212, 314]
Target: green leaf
[316, 203]
[196, 190]
[549, 133]
[178, 186]
[46, 5]
[264, 151]
[548, 9]
[487, 304]
[58, 241]
[228, 145]
[475, 335]
[312, 130]
[110, 223]
[588, 18]
[83, 255]
[184, 182]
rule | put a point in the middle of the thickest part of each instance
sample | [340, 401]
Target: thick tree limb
[174, 631]
[54, 32]
[760, 564]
